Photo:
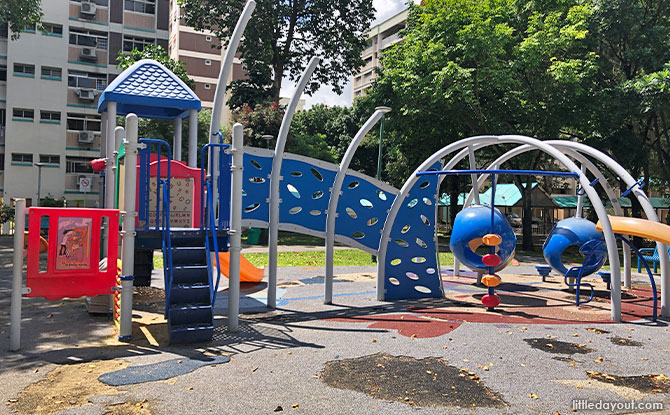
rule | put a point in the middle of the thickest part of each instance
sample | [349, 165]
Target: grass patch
[343, 257]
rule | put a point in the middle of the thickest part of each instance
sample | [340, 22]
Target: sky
[325, 95]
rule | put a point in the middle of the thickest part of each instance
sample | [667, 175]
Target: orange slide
[248, 272]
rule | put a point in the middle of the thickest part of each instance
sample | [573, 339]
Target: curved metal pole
[586, 163]
[646, 206]
[275, 178]
[510, 139]
[220, 94]
[335, 191]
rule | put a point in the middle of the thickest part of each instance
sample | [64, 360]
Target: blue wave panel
[362, 211]
[305, 191]
[256, 187]
[411, 257]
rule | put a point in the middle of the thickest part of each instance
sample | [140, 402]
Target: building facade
[379, 37]
[50, 82]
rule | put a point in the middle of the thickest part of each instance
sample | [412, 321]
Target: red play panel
[73, 253]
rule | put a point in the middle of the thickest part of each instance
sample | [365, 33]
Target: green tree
[20, 14]
[283, 35]
[6, 214]
[157, 53]
[470, 67]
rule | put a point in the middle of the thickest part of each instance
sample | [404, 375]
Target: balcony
[388, 41]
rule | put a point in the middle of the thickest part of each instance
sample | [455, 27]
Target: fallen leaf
[179, 361]
[413, 336]
[295, 405]
[522, 365]
[374, 340]
[575, 335]
[190, 388]
[599, 359]
[533, 396]
[279, 409]
[644, 358]
[549, 345]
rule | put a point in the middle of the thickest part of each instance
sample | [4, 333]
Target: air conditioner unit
[86, 137]
[87, 53]
[87, 9]
[86, 94]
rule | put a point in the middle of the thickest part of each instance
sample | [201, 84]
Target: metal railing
[210, 224]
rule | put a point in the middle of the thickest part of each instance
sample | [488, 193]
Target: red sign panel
[71, 266]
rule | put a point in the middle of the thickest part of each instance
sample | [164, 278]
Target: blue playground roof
[150, 90]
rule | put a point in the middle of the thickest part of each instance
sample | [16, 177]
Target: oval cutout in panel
[244, 193]
[351, 213]
[353, 185]
[293, 191]
[421, 243]
[396, 261]
[251, 207]
[425, 220]
[372, 221]
[422, 289]
[412, 276]
[295, 210]
[358, 235]
[412, 203]
[430, 271]
[316, 174]
[405, 229]
[394, 281]
[424, 185]
[427, 201]
[381, 195]
[317, 195]
[296, 173]
[418, 260]
[257, 180]
[402, 243]
[315, 212]
[366, 203]
[256, 164]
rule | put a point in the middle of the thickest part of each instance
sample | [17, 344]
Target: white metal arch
[275, 178]
[336, 191]
[585, 163]
[509, 139]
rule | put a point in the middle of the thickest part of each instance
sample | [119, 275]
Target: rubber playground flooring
[537, 353]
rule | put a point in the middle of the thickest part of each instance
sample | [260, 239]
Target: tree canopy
[20, 14]
[283, 36]
[157, 53]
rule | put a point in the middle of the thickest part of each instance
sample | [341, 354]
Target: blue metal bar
[646, 265]
[582, 192]
[630, 189]
[513, 172]
[492, 249]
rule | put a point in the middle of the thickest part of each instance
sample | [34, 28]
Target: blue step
[190, 275]
[189, 255]
[190, 294]
[190, 315]
[187, 334]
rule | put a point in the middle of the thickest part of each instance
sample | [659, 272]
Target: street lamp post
[268, 138]
[39, 181]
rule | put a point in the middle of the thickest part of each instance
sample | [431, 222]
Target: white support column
[580, 200]
[17, 275]
[176, 145]
[275, 178]
[128, 234]
[235, 228]
[331, 213]
[473, 166]
[193, 139]
[119, 135]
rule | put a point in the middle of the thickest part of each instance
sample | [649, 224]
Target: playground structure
[243, 186]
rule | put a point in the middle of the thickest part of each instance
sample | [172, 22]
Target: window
[98, 2]
[207, 86]
[131, 42]
[3, 72]
[23, 114]
[2, 161]
[141, 6]
[30, 28]
[24, 69]
[52, 116]
[78, 165]
[88, 80]
[22, 158]
[208, 38]
[53, 29]
[50, 158]
[88, 38]
[51, 73]
[83, 122]
[208, 62]
[4, 30]
[3, 121]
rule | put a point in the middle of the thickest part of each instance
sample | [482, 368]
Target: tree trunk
[454, 190]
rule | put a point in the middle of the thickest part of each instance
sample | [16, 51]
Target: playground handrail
[167, 243]
[145, 179]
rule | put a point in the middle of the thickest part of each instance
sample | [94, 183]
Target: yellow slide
[639, 227]
[248, 272]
